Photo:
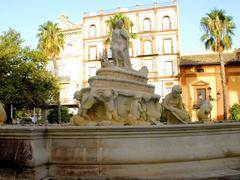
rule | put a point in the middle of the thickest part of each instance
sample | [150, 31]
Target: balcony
[64, 79]
[147, 52]
[68, 101]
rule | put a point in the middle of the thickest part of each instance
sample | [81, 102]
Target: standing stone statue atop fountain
[174, 110]
[119, 46]
[3, 115]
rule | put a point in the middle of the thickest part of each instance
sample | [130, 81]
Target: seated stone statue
[174, 110]
[204, 111]
[119, 46]
[3, 115]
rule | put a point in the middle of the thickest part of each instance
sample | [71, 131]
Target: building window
[136, 64]
[61, 69]
[168, 68]
[147, 47]
[63, 93]
[92, 31]
[131, 51]
[146, 24]
[68, 48]
[92, 71]
[92, 54]
[149, 64]
[167, 46]
[166, 23]
[201, 95]
[167, 90]
[199, 69]
[63, 76]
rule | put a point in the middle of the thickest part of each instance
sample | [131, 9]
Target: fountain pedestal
[118, 96]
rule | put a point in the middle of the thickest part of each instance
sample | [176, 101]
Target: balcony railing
[68, 101]
[64, 79]
[132, 8]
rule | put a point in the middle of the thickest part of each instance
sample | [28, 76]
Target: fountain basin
[119, 151]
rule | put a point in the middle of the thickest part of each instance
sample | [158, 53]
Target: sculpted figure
[204, 111]
[105, 62]
[108, 97]
[86, 100]
[174, 110]
[135, 110]
[119, 46]
[3, 115]
[144, 70]
[153, 109]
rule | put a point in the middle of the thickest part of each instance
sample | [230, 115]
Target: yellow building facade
[200, 79]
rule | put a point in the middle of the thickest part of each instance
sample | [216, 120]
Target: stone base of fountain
[137, 152]
[118, 96]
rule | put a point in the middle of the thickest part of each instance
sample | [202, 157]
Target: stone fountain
[118, 94]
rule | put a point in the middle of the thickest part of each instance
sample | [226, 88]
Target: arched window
[68, 48]
[92, 31]
[147, 47]
[146, 24]
[166, 23]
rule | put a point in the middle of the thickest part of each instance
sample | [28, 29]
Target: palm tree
[50, 42]
[218, 28]
[112, 24]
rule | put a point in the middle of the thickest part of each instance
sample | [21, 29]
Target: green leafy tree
[235, 112]
[52, 117]
[50, 42]
[112, 24]
[218, 28]
[24, 81]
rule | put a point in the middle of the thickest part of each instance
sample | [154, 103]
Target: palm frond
[217, 28]
[112, 24]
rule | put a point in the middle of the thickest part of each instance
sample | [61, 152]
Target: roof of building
[65, 24]
[209, 59]
[138, 7]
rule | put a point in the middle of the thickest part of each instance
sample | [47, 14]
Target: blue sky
[25, 16]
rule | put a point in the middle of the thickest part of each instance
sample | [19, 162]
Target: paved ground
[226, 174]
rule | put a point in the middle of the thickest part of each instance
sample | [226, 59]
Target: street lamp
[209, 93]
[218, 95]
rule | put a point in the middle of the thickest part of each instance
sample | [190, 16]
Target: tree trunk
[55, 66]
[8, 111]
[59, 109]
[223, 81]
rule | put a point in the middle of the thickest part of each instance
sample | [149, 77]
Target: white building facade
[156, 45]
[70, 65]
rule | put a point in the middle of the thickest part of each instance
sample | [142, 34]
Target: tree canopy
[51, 39]
[218, 28]
[112, 24]
[50, 42]
[24, 81]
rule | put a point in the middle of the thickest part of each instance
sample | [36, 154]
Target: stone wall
[144, 151]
